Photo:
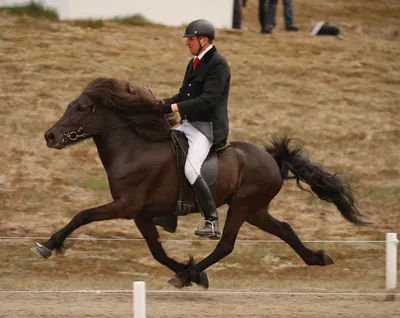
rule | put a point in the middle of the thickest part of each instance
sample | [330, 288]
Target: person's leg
[237, 17]
[269, 16]
[243, 13]
[261, 13]
[288, 16]
[199, 147]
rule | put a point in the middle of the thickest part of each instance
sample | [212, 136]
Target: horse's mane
[135, 103]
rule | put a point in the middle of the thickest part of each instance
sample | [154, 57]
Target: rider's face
[193, 44]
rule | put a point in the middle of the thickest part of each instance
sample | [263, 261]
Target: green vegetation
[33, 196]
[136, 19]
[93, 183]
[386, 193]
[32, 9]
[27, 23]
[37, 10]
[91, 24]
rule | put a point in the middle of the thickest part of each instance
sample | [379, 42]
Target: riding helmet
[200, 27]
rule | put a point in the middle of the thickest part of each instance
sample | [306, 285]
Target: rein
[75, 134]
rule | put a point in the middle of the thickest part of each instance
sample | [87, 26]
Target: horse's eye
[80, 108]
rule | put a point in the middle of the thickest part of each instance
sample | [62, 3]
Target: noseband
[75, 134]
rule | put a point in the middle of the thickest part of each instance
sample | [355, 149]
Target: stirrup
[214, 234]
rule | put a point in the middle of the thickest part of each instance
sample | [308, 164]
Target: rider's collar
[204, 52]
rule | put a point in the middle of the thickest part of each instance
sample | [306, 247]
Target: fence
[139, 288]
[391, 260]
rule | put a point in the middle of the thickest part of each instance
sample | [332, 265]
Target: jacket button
[188, 94]
[190, 85]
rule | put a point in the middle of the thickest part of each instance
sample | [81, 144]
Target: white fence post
[391, 260]
[139, 300]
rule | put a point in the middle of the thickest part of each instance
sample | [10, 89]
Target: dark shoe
[206, 201]
[294, 28]
[266, 31]
[168, 223]
[209, 230]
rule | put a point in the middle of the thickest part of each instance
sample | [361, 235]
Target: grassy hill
[341, 98]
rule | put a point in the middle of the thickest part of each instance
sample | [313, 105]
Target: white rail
[391, 260]
[139, 291]
[178, 240]
[139, 300]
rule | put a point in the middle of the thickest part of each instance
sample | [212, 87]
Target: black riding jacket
[203, 96]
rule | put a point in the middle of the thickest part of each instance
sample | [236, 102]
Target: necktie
[195, 62]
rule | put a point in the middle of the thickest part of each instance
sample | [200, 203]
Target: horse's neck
[116, 144]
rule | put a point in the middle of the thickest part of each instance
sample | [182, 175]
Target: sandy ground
[197, 305]
[340, 97]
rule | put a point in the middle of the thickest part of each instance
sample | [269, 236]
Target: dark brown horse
[133, 143]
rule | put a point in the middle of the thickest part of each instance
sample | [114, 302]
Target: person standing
[267, 15]
[202, 102]
[239, 11]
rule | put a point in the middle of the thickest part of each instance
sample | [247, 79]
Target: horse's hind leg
[264, 221]
[150, 234]
[235, 219]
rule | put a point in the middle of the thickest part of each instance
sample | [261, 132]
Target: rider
[202, 102]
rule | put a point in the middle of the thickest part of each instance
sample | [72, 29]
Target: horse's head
[91, 113]
[74, 126]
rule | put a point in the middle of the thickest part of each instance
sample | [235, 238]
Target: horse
[133, 142]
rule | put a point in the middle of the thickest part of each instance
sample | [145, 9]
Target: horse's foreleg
[264, 221]
[150, 234]
[234, 221]
[108, 211]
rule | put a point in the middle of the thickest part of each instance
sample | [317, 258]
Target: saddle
[187, 202]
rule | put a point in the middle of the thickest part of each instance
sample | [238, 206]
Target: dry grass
[340, 97]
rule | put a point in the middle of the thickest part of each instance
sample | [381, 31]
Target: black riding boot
[204, 196]
[168, 223]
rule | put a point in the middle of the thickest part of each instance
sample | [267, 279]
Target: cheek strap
[200, 46]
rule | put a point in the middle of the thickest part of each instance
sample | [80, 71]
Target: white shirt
[204, 52]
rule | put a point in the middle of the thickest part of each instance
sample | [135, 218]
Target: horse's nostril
[50, 137]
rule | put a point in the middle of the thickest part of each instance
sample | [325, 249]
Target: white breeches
[199, 147]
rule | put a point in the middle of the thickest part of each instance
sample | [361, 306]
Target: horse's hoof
[203, 280]
[176, 282]
[325, 259]
[41, 250]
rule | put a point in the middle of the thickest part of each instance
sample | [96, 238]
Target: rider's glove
[163, 108]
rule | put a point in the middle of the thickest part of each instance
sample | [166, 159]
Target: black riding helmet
[200, 27]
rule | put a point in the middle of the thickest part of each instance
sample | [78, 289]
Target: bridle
[79, 133]
[74, 135]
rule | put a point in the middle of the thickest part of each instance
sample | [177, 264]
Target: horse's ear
[129, 88]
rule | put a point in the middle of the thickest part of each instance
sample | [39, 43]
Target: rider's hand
[163, 108]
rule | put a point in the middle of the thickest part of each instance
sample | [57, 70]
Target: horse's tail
[328, 187]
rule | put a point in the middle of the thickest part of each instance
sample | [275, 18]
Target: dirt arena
[199, 305]
[340, 98]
